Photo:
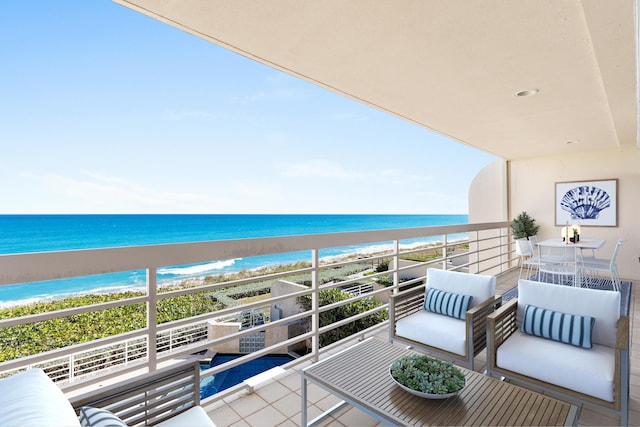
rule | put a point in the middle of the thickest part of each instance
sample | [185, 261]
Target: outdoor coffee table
[360, 376]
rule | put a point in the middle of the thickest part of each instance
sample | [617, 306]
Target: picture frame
[587, 203]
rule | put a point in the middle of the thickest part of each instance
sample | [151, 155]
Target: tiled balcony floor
[277, 402]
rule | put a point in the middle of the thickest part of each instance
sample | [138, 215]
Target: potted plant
[426, 376]
[524, 226]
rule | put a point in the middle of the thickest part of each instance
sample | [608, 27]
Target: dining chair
[595, 268]
[524, 251]
[559, 264]
[531, 256]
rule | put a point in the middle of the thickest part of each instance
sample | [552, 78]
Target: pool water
[226, 379]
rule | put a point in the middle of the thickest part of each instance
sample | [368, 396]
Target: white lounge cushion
[31, 398]
[436, 330]
[588, 371]
[194, 417]
[604, 306]
[480, 287]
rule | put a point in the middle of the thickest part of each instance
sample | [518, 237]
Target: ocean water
[44, 233]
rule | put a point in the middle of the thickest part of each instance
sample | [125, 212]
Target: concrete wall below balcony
[216, 330]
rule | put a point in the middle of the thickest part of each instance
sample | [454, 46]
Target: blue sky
[105, 110]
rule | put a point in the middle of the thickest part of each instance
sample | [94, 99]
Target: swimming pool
[226, 379]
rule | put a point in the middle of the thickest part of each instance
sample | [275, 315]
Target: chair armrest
[476, 320]
[486, 307]
[622, 367]
[501, 324]
[149, 398]
[622, 337]
[407, 302]
[404, 304]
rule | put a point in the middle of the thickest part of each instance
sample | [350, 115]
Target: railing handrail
[486, 253]
[19, 268]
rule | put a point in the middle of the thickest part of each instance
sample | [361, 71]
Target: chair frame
[501, 324]
[603, 265]
[411, 301]
[150, 398]
[563, 266]
[527, 258]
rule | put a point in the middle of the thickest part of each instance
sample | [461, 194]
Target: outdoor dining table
[587, 243]
[559, 258]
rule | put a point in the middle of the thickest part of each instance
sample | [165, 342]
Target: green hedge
[329, 296]
[38, 337]
[33, 338]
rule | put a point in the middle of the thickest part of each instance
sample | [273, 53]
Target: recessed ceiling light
[572, 142]
[527, 92]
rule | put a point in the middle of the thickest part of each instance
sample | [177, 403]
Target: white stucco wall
[488, 194]
[531, 187]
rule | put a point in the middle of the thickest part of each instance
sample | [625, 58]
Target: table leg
[303, 394]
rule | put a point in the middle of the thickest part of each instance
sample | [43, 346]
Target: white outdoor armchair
[168, 397]
[456, 333]
[542, 340]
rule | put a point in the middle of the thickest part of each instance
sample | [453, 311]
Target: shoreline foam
[199, 280]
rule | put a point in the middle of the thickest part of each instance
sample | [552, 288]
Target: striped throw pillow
[567, 328]
[447, 303]
[98, 417]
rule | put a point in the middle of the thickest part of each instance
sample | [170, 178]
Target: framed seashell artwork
[587, 203]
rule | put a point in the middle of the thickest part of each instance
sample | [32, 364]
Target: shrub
[524, 226]
[329, 296]
[383, 266]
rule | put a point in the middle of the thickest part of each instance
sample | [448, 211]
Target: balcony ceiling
[452, 66]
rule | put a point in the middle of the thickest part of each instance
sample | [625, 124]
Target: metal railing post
[396, 263]
[72, 360]
[152, 318]
[315, 304]
[445, 255]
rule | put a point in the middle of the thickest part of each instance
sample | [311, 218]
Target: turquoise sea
[43, 233]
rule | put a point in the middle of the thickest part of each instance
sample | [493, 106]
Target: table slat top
[360, 374]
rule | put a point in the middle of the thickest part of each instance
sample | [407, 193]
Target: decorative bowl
[427, 377]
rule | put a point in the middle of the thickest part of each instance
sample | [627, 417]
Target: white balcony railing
[479, 248]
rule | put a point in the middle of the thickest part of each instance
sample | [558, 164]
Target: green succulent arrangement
[427, 374]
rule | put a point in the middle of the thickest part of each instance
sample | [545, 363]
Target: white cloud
[320, 168]
[110, 194]
[327, 169]
[399, 176]
[442, 202]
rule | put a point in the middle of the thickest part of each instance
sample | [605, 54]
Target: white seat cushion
[604, 306]
[31, 398]
[194, 417]
[588, 371]
[436, 330]
[479, 286]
